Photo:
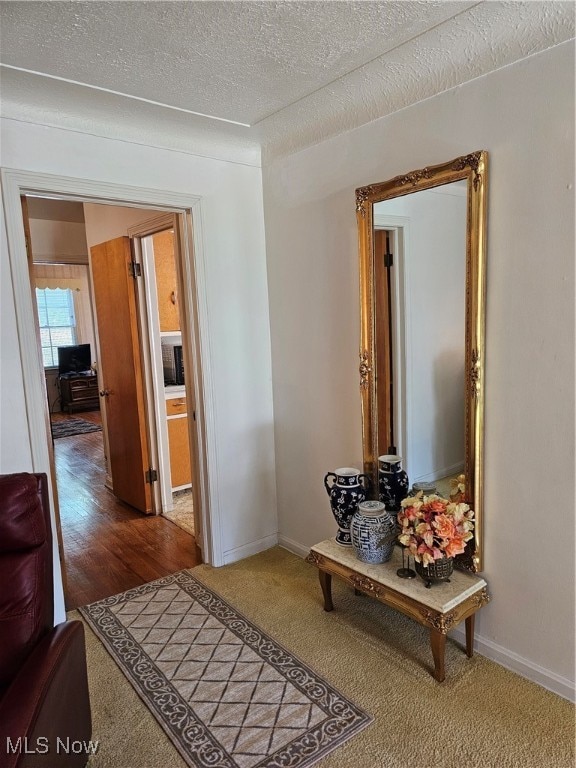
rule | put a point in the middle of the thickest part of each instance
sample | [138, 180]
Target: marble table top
[441, 596]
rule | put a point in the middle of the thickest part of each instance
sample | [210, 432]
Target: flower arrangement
[433, 527]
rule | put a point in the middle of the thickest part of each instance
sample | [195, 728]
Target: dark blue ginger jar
[392, 482]
[348, 488]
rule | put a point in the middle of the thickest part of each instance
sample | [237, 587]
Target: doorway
[390, 269]
[156, 246]
[107, 545]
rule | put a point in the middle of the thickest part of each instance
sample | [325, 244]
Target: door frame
[16, 183]
[139, 233]
[399, 227]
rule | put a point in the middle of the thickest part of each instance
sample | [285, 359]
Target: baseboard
[252, 548]
[293, 546]
[522, 666]
[439, 474]
[507, 659]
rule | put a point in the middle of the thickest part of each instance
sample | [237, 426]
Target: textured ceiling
[296, 72]
[239, 61]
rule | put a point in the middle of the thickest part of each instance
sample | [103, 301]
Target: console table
[79, 392]
[439, 608]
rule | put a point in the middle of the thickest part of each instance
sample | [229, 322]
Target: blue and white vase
[392, 482]
[348, 489]
[373, 531]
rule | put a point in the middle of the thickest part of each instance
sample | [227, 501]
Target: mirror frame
[473, 168]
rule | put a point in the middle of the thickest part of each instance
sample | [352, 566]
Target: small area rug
[72, 427]
[225, 693]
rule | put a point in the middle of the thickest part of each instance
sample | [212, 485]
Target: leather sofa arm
[47, 707]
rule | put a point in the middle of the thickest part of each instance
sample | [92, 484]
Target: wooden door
[383, 343]
[121, 378]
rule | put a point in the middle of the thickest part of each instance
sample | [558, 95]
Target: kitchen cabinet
[166, 282]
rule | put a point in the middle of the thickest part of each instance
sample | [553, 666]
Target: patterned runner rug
[226, 694]
[73, 427]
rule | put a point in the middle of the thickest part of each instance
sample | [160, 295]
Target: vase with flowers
[434, 530]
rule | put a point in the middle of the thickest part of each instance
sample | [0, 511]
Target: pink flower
[411, 513]
[438, 554]
[424, 555]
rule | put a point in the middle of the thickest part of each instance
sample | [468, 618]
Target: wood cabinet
[178, 443]
[166, 282]
[179, 447]
[176, 406]
[79, 392]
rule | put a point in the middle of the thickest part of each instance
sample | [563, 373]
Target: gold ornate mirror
[422, 241]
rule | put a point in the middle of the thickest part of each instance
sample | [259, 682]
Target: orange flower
[444, 526]
[454, 547]
[433, 527]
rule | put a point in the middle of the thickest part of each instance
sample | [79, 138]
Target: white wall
[524, 116]
[105, 222]
[235, 293]
[433, 269]
[53, 240]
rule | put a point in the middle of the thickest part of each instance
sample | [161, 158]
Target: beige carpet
[183, 513]
[482, 716]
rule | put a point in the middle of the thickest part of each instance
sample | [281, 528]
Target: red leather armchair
[44, 702]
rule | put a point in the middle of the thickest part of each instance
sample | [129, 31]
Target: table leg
[438, 643]
[326, 584]
[470, 636]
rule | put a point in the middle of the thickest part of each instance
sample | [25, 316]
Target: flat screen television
[75, 359]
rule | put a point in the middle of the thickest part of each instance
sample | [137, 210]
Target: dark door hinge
[151, 476]
[388, 260]
[134, 269]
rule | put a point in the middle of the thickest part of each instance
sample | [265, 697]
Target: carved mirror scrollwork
[422, 241]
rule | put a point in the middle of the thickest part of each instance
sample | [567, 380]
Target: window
[57, 321]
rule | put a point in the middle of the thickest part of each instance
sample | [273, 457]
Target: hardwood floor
[108, 546]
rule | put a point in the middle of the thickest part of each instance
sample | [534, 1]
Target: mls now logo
[42, 746]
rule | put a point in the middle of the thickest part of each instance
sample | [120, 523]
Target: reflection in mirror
[422, 280]
[419, 283]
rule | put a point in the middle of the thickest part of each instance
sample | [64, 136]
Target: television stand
[79, 391]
